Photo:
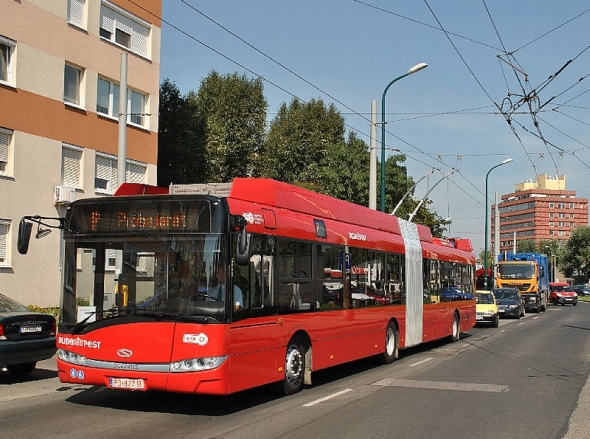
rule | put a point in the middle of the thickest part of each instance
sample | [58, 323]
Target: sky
[505, 79]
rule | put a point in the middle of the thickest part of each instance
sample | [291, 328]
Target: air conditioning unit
[64, 194]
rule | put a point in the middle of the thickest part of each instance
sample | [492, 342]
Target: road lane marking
[420, 362]
[442, 385]
[325, 398]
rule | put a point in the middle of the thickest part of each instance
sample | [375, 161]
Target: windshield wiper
[115, 312]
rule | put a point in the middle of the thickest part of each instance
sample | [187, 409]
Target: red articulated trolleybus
[217, 288]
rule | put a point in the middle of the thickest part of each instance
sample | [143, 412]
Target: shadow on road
[205, 405]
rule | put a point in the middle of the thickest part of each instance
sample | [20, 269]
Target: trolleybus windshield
[156, 259]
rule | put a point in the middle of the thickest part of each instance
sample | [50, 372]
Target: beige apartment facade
[60, 70]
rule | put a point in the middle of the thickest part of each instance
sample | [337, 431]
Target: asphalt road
[526, 379]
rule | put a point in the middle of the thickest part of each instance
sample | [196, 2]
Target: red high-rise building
[541, 210]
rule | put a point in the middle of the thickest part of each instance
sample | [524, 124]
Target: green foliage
[344, 171]
[230, 114]
[527, 246]
[574, 258]
[299, 138]
[80, 301]
[53, 311]
[180, 158]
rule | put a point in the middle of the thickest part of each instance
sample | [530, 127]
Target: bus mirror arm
[26, 226]
[243, 248]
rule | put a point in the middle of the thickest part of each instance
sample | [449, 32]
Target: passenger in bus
[218, 292]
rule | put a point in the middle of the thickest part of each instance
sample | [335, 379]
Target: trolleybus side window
[328, 277]
[294, 271]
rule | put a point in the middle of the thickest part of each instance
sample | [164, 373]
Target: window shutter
[107, 19]
[3, 242]
[4, 142]
[106, 169]
[76, 12]
[135, 173]
[70, 164]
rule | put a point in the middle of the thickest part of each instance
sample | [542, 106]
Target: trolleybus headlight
[197, 364]
[71, 357]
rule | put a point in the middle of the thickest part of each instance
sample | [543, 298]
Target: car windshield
[516, 271]
[9, 305]
[485, 299]
[561, 288]
[504, 294]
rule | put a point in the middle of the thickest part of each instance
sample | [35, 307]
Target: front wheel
[294, 368]
[21, 369]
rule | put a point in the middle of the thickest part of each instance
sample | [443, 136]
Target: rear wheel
[390, 344]
[294, 367]
[21, 369]
[497, 321]
[456, 329]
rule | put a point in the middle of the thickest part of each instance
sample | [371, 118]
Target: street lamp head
[506, 161]
[417, 68]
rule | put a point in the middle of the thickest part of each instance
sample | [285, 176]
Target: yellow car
[486, 308]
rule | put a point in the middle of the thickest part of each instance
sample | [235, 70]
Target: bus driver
[218, 292]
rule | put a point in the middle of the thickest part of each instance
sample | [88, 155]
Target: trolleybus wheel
[456, 330]
[390, 344]
[294, 367]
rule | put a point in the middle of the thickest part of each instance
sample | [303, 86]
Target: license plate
[127, 383]
[479, 318]
[501, 310]
[28, 328]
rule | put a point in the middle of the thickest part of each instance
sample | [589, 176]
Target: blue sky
[445, 116]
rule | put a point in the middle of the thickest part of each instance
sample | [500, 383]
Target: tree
[179, 157]
[574, 258]
[344, 171]
[299, 138]
[527, 246]
[230, 114]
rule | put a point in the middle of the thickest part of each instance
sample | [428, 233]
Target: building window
[135, 172]
[136, 107]
[106, 173]
[5, 140]
[124, 29]
[551, 205]
[105, 176]
[4, 240]
[551, 223]
[71, 159]
[72, 84]
[107, 102]
[6, 52]
[77, 13]
[551, 215]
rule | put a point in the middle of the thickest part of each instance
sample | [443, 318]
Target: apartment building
[538, 210]
[60, 70]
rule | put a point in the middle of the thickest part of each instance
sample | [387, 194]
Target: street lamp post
[485, 252]
[413, 70]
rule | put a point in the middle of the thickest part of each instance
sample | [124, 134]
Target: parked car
[582, 290]
[25, 337]
[510, 303]
[486, 309]
[562, 293]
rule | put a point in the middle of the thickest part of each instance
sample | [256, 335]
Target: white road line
[442, 385]
[420, 362]
[325, 398]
